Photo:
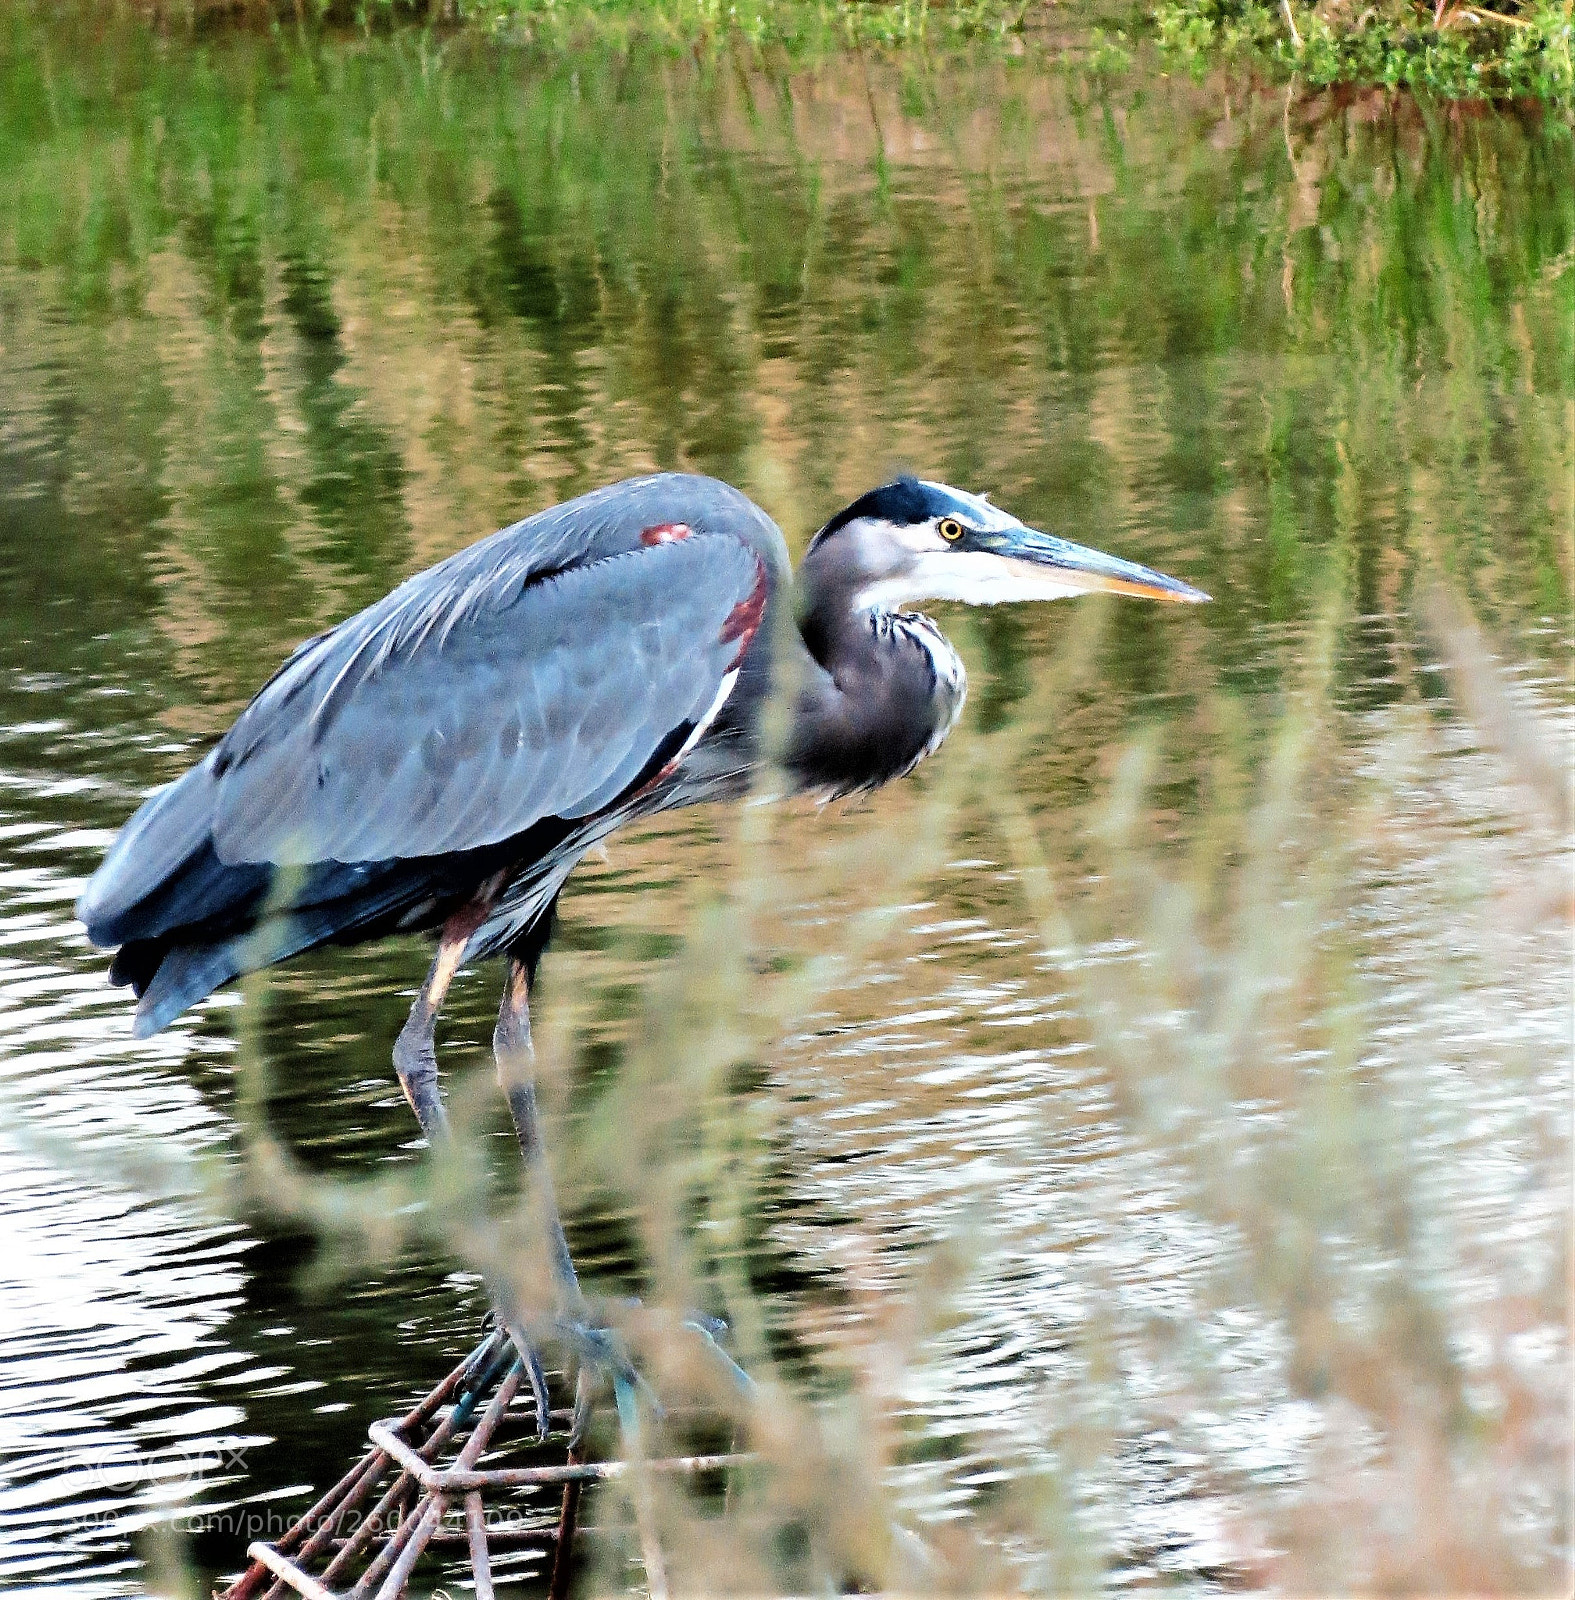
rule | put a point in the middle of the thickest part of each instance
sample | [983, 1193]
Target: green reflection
[375, 302]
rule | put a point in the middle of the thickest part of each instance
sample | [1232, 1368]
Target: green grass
[1451, 51]
[798, 26]
[1519, 49]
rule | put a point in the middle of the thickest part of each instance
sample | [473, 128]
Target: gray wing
[442, 723]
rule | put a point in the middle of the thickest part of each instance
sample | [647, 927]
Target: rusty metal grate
[425, 1471]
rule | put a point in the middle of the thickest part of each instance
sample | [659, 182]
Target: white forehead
[974, 509]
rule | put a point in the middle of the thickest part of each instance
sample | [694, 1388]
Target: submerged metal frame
[328, 1542]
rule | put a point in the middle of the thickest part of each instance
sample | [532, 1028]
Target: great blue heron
[442, 760]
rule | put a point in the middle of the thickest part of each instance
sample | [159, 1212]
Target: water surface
[280, 324]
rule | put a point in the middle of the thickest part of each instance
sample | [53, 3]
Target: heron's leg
[511, 1045]
[415, 1060]
[415, 1055]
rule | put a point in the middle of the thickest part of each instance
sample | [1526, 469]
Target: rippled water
[279, 325]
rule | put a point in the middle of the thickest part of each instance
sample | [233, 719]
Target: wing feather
[439, 731]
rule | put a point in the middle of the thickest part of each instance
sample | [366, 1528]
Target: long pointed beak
[1043, 559]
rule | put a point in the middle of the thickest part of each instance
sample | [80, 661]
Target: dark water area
[1230, 1122]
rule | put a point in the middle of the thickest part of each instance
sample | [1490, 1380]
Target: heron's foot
[506, 1342]
[599, 1343]
[700, 1326]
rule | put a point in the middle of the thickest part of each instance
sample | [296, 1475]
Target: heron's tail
[171, 977]
[187, 922]
[184, 975]
[161, 874]
[334, 902]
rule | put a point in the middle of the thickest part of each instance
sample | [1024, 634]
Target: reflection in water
[257, 367]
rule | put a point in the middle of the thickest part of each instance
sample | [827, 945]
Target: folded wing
[550, 700]
[487, 696]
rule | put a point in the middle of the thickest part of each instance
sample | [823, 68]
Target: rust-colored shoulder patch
[665, 533]
[743, 621]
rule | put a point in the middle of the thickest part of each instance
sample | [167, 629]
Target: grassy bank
[1451, 49]
[799, 26]
[1518, 49]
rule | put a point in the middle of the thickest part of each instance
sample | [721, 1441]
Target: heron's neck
[884, 691]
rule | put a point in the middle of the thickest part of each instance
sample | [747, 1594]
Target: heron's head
[913, 540]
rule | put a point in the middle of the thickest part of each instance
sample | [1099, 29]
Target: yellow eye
[950, 529]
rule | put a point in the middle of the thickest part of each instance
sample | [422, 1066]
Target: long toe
[601, 1349]
[481, 1360]
[711, 1331]
[605, 1349]
[535, 1376]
